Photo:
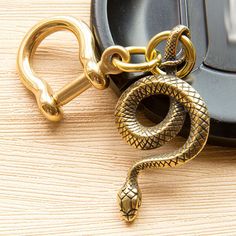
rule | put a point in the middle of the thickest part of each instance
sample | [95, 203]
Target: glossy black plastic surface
[134, 22]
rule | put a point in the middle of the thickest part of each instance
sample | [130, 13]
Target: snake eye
[129, 201]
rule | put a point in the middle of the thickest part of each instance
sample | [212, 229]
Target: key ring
[115, 60]
[189, 50]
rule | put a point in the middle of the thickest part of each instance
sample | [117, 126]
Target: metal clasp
[49, 103]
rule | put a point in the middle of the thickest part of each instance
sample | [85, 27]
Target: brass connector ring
[189, 51]
[126, 66]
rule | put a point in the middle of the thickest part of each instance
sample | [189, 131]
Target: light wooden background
[62, 179]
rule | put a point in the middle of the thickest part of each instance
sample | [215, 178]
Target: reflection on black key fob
[213, 27]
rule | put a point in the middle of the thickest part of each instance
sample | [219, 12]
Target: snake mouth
[130, 215]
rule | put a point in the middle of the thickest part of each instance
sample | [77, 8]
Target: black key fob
[213, 28]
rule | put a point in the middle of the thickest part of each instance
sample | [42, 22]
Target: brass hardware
[130, 197]
[115, 60]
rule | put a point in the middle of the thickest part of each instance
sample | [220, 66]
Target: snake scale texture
[146, 138]
[130, 197]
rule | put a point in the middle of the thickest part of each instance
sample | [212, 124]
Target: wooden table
[62, 179]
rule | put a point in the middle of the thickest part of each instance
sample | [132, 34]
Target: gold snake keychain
[115, 60]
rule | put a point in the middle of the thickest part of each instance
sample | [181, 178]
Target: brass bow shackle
[49, 103]
[115, 60]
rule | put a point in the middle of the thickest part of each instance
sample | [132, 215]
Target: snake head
[129, 200]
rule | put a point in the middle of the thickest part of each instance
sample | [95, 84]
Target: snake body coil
[129, 197]
[181, 94]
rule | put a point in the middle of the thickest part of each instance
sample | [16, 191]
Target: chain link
[138, 67]
[118, 59]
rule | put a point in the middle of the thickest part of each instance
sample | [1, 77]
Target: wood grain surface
[62, 179]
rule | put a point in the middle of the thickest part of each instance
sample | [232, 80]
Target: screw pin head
[129, 201]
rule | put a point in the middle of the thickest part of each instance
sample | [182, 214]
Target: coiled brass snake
[135, 133]
[129, 197]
